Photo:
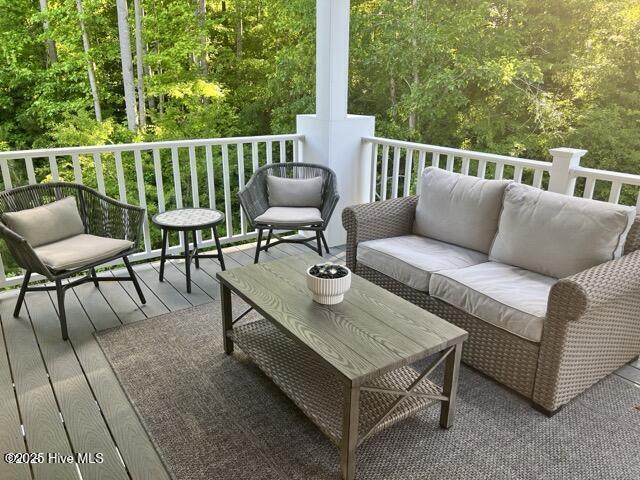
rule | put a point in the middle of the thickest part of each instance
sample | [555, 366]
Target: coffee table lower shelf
[318, 392]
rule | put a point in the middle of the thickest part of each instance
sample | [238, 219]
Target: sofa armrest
[592, 328]
[370, 221]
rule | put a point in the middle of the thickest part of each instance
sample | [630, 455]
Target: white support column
[564, 159]
[332, 136]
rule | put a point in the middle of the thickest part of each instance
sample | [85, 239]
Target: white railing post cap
[566, 152]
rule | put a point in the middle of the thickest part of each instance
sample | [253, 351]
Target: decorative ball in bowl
[328, 282]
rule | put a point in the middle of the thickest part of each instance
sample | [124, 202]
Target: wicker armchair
[101, 217]
[592, 326]
[254, 200]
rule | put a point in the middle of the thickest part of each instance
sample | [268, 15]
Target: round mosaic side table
[187, 220]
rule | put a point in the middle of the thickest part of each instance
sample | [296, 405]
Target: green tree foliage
[510, 76]
[514, 77]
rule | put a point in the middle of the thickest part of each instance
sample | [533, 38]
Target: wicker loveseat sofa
[566, 333]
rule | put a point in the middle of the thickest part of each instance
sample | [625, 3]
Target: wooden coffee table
[346, 366]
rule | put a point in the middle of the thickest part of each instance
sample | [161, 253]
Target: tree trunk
[91, 68]
[239, 32]
[413, 122]
[52, 53]
[393, 94]
[127, 64]
[138, 13]
[201, 12]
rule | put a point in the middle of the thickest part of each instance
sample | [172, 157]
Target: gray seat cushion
[459, 209]
[46, 223]
[80, 250]
[411, 259]
[508, 297]
[290, 216]
[294, 192]
[558, 235]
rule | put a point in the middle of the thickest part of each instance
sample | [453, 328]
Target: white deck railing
[209, 172]
[396, 168]
[166, 175]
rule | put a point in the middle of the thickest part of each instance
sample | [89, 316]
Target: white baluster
[227, 189]
[157, 168]
[97, 163]
[408, 167]
[395, 176]
[122, 188]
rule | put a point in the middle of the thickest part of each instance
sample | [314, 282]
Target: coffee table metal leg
[450, 387]
[163, 254]
[227, 320]
[218, 248]
[187, 259]
[195, 249]
[349, 440]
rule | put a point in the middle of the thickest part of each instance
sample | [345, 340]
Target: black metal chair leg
[219, 248]
[187, 259]
[258, 246]
[319, 242]
[23, 290]
[94, 275]
[61, 310]
[266, 248]
[163, 253]
[324, 240]
[195, 250]
[134, 279]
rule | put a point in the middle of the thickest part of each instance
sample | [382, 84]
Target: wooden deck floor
[63, 397]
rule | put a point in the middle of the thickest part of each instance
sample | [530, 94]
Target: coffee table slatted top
[371, 332]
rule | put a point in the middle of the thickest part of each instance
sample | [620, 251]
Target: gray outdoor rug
[214, 417]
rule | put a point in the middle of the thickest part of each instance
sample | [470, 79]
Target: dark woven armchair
[103, 218]
[254, 199]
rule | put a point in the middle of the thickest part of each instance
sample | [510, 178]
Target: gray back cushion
[294, 192]
[47, 223]
[459, 209]
[558, 235]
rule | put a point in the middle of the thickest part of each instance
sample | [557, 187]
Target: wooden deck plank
[154, 305]
[171, 298]
[11, 439]
[84, 424]
[98, 310]
[134, 445]
[44, 431]
[177, 279]
[124, 307]
[202, 276]
[630, 373]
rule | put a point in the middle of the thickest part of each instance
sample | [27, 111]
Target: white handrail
[130, 147]
[457, 152]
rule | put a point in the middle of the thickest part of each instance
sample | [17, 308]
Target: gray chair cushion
[459, 209]
[508, 297]
[46, 223]
[80, 250]
[411, 259]
[290, 216]
[558, 235]
[294, 192]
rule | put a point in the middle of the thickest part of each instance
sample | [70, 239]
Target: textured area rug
[213, 416]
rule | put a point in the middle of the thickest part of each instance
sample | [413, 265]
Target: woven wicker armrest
[370, 221]
[23, 253]
[592, 328]
[111, 218]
